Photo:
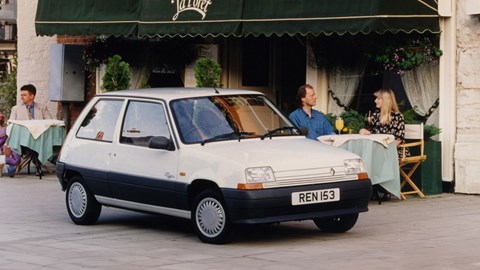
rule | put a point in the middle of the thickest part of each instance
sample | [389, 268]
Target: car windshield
[235, 117]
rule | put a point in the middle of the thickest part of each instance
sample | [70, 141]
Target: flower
[415, 53]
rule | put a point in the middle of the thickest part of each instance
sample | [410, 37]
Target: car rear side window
[144, 120]
[99, 124]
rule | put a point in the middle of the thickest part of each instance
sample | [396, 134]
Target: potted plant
[431, 168]
[117, 74]
[429, 131]
[353, 120]
[430, 172]
[207, 73]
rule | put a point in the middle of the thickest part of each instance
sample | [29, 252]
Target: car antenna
[216, 91]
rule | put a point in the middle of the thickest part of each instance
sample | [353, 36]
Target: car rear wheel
[210, 219]
[338, 224]
[82, 207]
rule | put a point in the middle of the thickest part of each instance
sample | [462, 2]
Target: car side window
[144, 120]
[100, 121]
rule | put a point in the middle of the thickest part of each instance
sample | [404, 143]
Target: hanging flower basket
[415, 53]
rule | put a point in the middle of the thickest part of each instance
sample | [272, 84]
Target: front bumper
[274, 205]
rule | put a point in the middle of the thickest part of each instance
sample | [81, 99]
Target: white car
[219, 157]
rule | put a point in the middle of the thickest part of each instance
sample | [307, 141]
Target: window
[101, 120]
[256, 62]
[227, 118]
[143, 120]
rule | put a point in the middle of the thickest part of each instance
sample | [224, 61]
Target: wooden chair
[414, 139]
[28, 158]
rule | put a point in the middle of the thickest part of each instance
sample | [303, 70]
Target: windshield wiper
[237, 134]
[269, 133]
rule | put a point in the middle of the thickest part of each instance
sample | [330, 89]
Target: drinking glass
[339, 124]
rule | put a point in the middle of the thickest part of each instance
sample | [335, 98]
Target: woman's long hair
[389, 105]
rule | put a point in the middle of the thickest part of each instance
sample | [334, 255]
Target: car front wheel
[210, 219]
[82, 207]
[338, 224]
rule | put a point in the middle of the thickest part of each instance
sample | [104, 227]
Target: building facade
[33, 54]
[459, 81]
[467, 89]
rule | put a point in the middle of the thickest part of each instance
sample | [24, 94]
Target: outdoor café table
[379, 155]
[44, 137]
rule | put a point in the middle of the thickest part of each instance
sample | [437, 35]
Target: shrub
[117, 74]
[8, 88]
[207, 73]
[353, 120]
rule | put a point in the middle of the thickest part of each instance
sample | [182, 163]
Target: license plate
[316, 196]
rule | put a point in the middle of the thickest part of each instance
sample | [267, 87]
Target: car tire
[82, 206]
[338, 224]
[210, 218]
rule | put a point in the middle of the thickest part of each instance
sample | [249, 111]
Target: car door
[138, 173]
[94, 143]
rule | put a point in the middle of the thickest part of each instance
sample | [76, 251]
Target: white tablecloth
[337, 140]
[379, 155]
[36, 127]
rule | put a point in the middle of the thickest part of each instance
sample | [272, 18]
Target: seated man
[310, 121]
[30, 110]
[11, 158]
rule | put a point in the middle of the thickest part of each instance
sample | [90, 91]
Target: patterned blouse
[396, 127]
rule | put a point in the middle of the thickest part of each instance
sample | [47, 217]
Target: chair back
[413, 138]
[414, 131]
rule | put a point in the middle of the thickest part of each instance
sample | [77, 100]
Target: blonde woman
[386, 119]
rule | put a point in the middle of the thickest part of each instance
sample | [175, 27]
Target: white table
[379, 155]
[41, 138]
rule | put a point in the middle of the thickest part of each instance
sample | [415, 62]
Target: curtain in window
[344, 83]
[140, 76]
[422, 88]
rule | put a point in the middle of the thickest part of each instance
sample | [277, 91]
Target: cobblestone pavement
[439, 232]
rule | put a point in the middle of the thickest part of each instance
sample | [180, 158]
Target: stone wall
[33, 54]
[467, 147]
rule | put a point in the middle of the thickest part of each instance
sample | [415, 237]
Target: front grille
[309, 176]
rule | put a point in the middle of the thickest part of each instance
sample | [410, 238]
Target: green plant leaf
[117, 74]
[207, 73]
[8, 88]
[353, 120]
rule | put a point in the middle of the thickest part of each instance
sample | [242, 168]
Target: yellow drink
[339, 125]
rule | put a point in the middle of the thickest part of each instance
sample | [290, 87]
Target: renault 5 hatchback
[218, 157]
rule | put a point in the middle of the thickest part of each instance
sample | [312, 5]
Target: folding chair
[414, 139]
[28, 158]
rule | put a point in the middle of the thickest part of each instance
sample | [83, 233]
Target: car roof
[178, 92]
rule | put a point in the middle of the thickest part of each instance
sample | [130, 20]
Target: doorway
[292, 70]
[275, 66]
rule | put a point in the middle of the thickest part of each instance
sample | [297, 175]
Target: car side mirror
[160, 142]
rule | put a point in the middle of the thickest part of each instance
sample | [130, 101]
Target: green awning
[234, 17]
[339, 16]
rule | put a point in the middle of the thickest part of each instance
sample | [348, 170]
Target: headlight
[353, 166]
[259, 175]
